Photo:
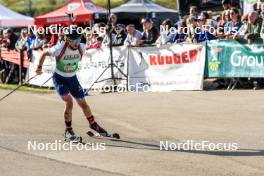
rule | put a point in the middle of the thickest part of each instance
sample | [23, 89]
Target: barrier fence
[19, 58]
[165, 68]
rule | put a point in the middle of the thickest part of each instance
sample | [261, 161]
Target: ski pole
[46, 81]
[17, 88]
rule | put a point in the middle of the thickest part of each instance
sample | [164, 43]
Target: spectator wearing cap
[165, 35]
[227, 4]
[9, 39]
[120, 36]
[134, 37]
[150, 33]
[233, 26]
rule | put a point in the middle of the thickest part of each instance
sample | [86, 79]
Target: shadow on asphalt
[149, 146]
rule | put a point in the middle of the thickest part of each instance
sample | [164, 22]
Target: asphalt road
[143, 121]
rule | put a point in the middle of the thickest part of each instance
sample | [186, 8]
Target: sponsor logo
[176, 58]
[73, 6]
[70, 57]
[90, 5]
[240, 60]
[214, 63]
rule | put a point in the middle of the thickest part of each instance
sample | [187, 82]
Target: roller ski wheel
[96, 134]
[96, 128]
[69, 136]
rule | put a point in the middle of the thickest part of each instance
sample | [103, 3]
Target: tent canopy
[83, 11]
[134, 10]
[9, 18]
[141, 6]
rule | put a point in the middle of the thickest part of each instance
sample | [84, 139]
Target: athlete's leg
[85, 108]
[63, 91]
[68, 110]
[77, 92]
[87, 112]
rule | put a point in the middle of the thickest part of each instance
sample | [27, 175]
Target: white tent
[9, 18]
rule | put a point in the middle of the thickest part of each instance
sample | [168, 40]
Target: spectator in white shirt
[134, 37]
[39, 42]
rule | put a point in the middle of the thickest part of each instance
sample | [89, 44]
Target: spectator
[225, 18]
[134, 37]
[262, 15]
[61, 37]
[191, 26]
[244, 19]
[203, 33]
[218, 18]
[1, 36]
[150, 33]
[23, 43]
[100, 29]
[120, 36]
[232, 27]
[166, 36]
[226, 4]
[193, 12]
[91, 39]
[113, 20]
[251, 30]
[210, 13]
[39, 42]
[53, 39]
[106, 39]
[98, 43]
[9, 39]
[257, 7]
[181, 34]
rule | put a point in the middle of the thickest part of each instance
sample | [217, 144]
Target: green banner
[232, 58]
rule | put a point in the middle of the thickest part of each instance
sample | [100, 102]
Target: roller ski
[69, 136]
[97, 131]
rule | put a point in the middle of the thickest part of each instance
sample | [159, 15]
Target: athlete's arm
[41, 61]
[54, 52]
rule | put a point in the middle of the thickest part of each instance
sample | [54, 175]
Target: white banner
[93, 64]
[96, 61]
[167, 68]
[176, 67]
